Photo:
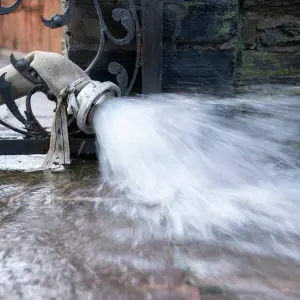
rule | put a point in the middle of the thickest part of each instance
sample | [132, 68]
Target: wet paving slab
[60, 241]
[56, 245]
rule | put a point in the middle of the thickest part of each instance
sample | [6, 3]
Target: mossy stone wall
[210, 46]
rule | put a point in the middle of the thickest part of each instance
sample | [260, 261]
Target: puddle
[59, 241]
[21, 162]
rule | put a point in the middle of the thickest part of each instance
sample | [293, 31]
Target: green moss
[223, 29]
[224, 22]
[193, 7]
[221, 19]
[194, 3]
[257, 64]
[229, 14]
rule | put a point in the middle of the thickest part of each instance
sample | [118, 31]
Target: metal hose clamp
[92, 95]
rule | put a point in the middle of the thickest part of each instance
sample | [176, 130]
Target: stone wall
[222, 44]
[204, 54]
[271, 42]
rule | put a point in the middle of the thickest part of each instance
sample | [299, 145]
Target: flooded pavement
[60, 241]
[64, 236]
[57, 242]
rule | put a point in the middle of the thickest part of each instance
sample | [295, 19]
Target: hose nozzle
[91, 96]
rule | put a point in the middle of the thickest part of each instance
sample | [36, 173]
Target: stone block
[271, 33]
[198, 69]
[272, 7]
[208, 21]
[269, 67]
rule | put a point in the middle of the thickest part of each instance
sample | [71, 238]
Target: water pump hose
[74, 90]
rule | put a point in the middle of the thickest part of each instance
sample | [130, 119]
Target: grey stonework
[271, 42]
[219, 45]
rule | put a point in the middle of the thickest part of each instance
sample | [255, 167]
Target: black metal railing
[127, 18]
[145, 30]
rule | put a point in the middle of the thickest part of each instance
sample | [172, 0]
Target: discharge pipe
[83, 103]
[72, 87]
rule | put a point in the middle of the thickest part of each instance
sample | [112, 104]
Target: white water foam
[201, 168]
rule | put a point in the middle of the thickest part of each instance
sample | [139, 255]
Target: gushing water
[204, 169]
[193, 182]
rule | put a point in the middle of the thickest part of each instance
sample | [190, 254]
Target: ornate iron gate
[143, 24]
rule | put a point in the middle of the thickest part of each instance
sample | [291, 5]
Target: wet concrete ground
[58, 240]
[56, 245]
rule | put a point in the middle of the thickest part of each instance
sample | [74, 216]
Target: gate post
[152, 26]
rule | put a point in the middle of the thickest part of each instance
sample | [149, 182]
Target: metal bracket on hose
[32, 127]
[92, 95]
[81, 106]
[24, 68]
